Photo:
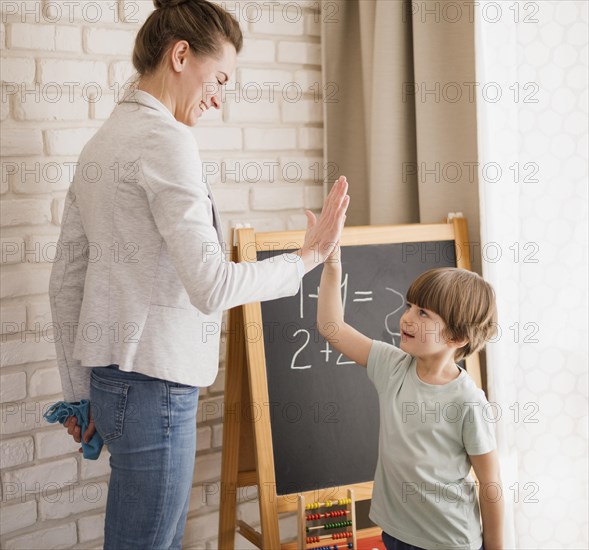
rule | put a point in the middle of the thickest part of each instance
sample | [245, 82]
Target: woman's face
[199, 81]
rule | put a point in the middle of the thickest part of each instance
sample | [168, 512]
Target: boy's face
[421, 332]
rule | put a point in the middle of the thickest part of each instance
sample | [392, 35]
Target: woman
[143, 275]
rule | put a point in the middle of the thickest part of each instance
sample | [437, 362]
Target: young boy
[433, 420]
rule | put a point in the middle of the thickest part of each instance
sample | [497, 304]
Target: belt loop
[168, 408]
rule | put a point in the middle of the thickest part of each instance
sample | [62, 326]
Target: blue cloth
[60, 411]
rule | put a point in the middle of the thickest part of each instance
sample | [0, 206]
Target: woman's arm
[330, 317]
[66, 290]
[486, 468]
[179, 204]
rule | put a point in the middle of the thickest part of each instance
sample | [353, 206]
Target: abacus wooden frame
[302, 523]
[247, 458]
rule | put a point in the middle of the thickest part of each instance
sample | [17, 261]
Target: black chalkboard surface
[323, 407]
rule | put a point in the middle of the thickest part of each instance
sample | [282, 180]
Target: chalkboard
[323, 407]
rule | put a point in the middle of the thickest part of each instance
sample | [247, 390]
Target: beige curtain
[400, 112]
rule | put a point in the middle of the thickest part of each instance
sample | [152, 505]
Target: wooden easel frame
[248, 458]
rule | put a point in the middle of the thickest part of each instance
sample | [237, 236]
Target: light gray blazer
[140, 277]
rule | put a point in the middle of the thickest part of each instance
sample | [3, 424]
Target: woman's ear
[180, 52]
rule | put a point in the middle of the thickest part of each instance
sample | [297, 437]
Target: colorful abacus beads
[338, 524]
[335, 536]
[334, 547]
[328, 503]
[334, 514]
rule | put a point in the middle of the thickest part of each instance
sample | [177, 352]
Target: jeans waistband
[118, 374]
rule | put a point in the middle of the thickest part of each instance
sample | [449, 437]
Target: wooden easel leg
[302, 523]
[262, 437]
[352, 508]
[234, 378]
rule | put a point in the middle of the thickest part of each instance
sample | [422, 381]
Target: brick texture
[63, 69]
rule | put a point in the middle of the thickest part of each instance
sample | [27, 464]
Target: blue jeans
[149, 427]
[391, 543]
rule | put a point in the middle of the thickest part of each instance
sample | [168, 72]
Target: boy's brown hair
[463, 299]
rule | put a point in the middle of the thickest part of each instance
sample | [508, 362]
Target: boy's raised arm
[330, 317]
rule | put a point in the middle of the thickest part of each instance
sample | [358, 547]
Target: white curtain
[533, 210]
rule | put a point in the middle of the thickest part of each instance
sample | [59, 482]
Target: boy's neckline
[436, 387]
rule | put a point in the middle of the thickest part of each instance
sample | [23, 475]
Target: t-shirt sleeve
[478, 427]
[383, 360]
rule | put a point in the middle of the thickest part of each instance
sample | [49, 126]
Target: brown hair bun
[168, 3]
[205, 25]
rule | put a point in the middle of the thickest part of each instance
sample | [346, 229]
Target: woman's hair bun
[168, 3]
[205, 25]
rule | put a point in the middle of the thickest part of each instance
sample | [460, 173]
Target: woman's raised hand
[324, 233]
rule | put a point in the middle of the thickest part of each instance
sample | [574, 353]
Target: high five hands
[323, 234]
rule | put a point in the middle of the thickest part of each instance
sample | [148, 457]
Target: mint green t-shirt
[423, 494]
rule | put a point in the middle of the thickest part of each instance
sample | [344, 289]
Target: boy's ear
[458, 343]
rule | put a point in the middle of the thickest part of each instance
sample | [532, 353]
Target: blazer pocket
[108, 403]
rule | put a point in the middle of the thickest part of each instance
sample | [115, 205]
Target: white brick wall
[68, 71]
[67, 141]
[203, 438]
[39, 311]
[17, 516]
[77, 498]
[218, 139]
[31, 37]
[108, 42]
[259, 111]
[44, 382]
[55, 442]
[20, 141]
[18, 70]
[270, 139]
[16, 451]
[22, 280]
[257, 50]
[62, 536]
[21, 211]
[91, 527]
[16, 313]
[56, 58]
[49, 476]
[59, 109]
[13, 387]
[202, 527]
[300, 53]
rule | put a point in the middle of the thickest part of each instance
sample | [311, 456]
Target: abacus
[329, 525]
